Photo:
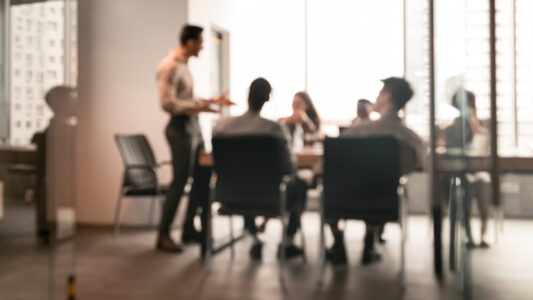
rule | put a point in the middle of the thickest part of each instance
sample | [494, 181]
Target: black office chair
[140, 178]
[362, 181]
[251, 181]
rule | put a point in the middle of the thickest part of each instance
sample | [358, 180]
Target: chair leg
[283, 258]
[464, 254]
[209, 230]
[116, 226]
[502, 216]
[496, 226]
[232, 238]
[302, 239]
[322, 251]
[498, 222]
[322, 246]
[402, 217]
[403, 278]
[461, 236]
[151, 212]
[453, 224]
[283, 215]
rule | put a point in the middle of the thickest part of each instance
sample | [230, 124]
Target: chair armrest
[402, 188]
[142, 167]
[283, 191]
[287, 178]
[320, 182]
[146, 167]
[283, 185]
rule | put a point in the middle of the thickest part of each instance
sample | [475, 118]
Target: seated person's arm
[307, 123]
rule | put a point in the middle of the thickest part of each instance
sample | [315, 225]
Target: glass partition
[473, 75]
[37, 149]
[4, 63]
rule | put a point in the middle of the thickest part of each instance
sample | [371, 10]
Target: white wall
[120, 44]
[266, 39]
[352, 46]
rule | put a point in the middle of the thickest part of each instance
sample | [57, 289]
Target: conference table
[307, 158]
[509, 161]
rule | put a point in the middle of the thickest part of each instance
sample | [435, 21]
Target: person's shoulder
[167, 65]
[411, 134]
[274, 126]
[358, 129]
[165, 68]
[271, 123]
[222, 124]
[269, 127]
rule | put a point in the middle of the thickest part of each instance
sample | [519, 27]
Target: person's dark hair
[259, 93]
[311, 110]
[190, 32]
[400, 91]
[469, 97]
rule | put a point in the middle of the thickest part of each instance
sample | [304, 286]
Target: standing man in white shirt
[176, 96]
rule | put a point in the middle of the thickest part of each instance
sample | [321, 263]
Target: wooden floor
[128, 267]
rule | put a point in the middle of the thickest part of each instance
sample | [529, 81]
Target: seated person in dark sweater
[391, 99]
[251, 123]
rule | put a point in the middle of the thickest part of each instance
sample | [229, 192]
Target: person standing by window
[364, 107]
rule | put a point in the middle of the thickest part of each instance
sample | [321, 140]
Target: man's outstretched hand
[222, 100]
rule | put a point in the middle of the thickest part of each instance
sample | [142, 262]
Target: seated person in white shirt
[364, 107]
[391, 99]
[251, 123]
[467, 133]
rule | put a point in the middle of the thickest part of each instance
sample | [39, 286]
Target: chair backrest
[136, 151]
[361, 177]
[342, 129]
[249, 171]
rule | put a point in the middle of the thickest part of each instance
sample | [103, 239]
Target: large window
[4, 108]
[351, 46]
[462, 59]
[42, 54]
[524, 72]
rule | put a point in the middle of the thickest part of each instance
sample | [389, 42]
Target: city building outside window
[37, 32]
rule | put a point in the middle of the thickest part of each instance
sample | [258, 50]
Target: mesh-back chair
[362, 181]
[251, 181]
[140, 172]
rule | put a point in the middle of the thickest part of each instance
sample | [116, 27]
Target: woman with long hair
[303, 113]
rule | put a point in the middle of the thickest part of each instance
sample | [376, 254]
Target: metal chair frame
[402, 220]
[283, 214]
[151, 168]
